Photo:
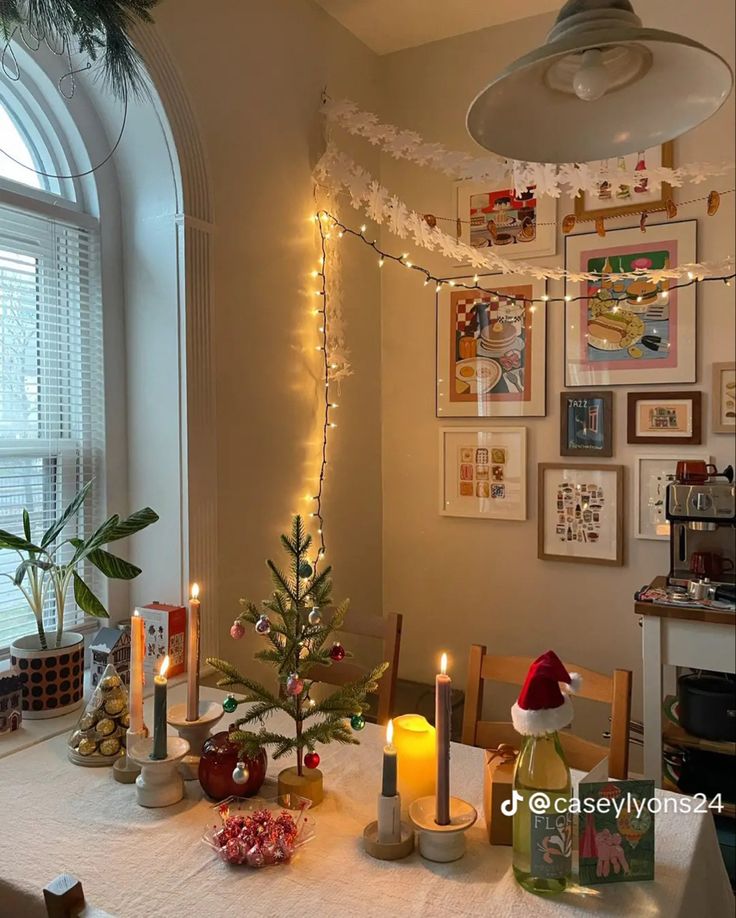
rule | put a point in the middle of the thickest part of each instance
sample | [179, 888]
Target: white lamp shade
[662, 85]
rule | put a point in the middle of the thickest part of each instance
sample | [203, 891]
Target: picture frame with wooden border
[587, 208]
[724, 398]
[596, 408]
[664, 418]
[581, 513]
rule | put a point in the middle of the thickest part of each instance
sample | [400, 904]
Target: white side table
[672, 636]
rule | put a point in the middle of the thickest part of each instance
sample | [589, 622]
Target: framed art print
[586, 424]
[581, 513]
[491, 350]
[652, 474]
[630, 332]
[483, 472]
[523, 226]
[615, 198]
[664, 417]
[724, 398]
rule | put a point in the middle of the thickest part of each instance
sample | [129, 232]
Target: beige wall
[254, 73]
[460, 581]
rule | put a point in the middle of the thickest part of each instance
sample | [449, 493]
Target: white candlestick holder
[388, 838]
[195, 732]
[442, 844]
[125, 770]
[159, 783]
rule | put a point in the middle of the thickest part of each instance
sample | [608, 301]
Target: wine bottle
[542, 841]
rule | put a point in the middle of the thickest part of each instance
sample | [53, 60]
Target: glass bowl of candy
[261, 831]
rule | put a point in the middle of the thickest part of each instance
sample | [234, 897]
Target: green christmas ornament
[229, 704]
[305, 570]
[357, 722]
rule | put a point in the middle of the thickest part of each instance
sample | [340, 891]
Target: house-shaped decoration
[10, 703]
[110, 645]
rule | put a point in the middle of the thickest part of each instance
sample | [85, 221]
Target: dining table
[135, 862]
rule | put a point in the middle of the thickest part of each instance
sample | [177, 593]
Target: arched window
[52, 399]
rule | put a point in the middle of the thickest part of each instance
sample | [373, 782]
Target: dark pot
[219, 758]
[707, 706]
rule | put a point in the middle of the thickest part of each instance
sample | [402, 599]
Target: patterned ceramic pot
[53, 679]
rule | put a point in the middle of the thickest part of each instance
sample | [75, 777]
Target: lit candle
[388, 788]
[443, 711]
[193, 656]
[160, 684]
[137, 652]
[415, 741]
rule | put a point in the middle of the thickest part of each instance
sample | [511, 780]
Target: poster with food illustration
[491, 348]
[724, 398]
[580, 514]
[519, 225]
[634, 329]
[616, 195]
[616, 832]
[483, 472]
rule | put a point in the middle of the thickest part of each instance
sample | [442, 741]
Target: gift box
[165, 627]
[498, 785]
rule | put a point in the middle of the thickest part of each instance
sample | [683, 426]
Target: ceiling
[390, 25]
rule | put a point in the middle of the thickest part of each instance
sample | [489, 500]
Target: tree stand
[308, 785]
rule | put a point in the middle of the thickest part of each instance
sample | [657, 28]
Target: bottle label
[551, 845]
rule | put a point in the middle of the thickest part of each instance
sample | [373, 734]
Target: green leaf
[20, 571]
[112, 566]
[27, 525]
[86, 599]
[8, 540]
[53, 531]
[134, 523]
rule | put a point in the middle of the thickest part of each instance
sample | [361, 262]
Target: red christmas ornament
[311, 760]
[337, 653]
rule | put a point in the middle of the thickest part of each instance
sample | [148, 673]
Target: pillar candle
[160, 685]
[388, 784]
[415, 742]
[443, 712]
[193, 655]
[137, 652]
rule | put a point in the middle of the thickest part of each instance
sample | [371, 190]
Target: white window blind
[51, 392]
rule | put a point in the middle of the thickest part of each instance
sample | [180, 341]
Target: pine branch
[280, 581]
[233, 677]
[258, 711]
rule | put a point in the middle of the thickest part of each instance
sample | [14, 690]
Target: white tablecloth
[58, 817]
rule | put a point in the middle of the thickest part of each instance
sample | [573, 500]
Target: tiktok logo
[539, 803]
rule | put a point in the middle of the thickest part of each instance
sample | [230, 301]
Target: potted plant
[51, 665]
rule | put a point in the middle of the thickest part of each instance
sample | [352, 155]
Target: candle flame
[390, 732]
[443, 664]
[164, 666]
[195, 591]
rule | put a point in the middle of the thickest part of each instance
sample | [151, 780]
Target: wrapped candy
[259, 834]
[99, 736]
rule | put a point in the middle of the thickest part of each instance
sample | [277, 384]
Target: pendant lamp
[601, 86]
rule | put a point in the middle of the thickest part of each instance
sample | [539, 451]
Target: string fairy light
[324, 217]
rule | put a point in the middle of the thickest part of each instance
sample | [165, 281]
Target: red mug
[709, 564]
[694, 471]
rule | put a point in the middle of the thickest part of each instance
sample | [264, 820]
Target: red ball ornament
[311, 760]
[237, 630]
[337, 653]
[219, 759]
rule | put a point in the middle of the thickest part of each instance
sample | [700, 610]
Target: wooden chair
[388, 631]
[583, 754]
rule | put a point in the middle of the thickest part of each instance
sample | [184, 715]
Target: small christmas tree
[291, 621]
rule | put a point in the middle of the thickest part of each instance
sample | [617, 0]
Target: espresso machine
[702, 520]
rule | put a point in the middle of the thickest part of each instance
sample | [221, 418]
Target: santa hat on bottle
[542, 707]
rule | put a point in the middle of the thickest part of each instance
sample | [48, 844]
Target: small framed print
[581, 510]
[652, 474]
[616, 199]
[724, 398]
[491, 349]
[586, 424]
[483, 472]
[519, 226]
[664, 417]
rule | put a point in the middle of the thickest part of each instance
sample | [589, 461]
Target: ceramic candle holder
[159, 783]
[195, 732]
[388, 838]
[125, 770]
[442, 843]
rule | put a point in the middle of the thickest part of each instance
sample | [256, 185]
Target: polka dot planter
[53, 679]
